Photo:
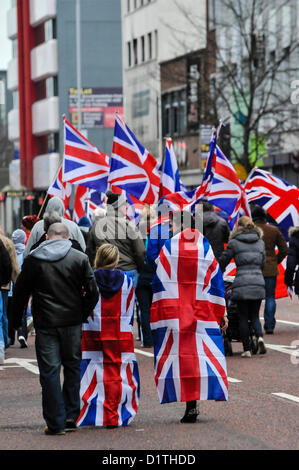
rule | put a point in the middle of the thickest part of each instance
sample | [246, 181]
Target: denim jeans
[56, 347]
[3, 315]
[133, 274]
[270, 303]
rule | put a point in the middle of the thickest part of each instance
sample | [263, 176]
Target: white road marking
[287, 396]
[26, 363]
[291, 350]
[286, 322]
[148, 354]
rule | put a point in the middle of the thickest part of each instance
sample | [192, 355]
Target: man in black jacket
[215, 229]
[62, 285]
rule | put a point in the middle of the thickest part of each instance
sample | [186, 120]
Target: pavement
[262, 412]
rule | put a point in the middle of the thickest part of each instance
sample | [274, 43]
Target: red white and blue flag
[86, 201]
[170, 179]
[83, 163]
[110, 386]
[132, 168]
[62, 190]
[278, 197]
[188, 305]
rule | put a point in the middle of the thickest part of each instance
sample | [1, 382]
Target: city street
[262, 412]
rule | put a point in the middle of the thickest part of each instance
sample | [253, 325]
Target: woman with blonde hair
[248, 250]
[109, 389]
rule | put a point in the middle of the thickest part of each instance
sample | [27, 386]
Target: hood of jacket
[52, 250]
[56, 204]
[210, 219]
[109, 281]
[294, 232]
[247, 235]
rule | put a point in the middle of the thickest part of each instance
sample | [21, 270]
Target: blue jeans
[56, 347]
[133, 274]
[270, 303]
[4, 338]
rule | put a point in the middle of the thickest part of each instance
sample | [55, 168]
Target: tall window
[50, 29]
[142, 49]
[129, 54]
[51, 87]
[150, 46]
[135, 51]
[128, 6]
[174, 112]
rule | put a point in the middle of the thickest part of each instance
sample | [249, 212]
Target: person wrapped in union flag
[187, 315]
[109, 389]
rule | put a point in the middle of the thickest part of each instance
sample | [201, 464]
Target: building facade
[161, 75]
[42, 77]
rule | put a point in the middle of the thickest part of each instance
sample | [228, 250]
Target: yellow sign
[241, 171]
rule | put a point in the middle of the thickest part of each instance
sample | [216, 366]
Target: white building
[155, 32]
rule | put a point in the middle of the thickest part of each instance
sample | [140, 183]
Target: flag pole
[78, 60]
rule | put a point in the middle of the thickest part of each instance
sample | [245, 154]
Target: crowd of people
[48, 276]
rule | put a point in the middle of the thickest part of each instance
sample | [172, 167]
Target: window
[15, 99]
[128, 6]
[174, 112]
[150, 46]
[50, 29]
[129, 54]
[53, 142]
[51, 87]
[135, 51]
[142, 49]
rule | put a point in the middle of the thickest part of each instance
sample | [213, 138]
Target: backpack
[5, 265]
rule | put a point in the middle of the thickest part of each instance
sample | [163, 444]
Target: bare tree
[250, 61]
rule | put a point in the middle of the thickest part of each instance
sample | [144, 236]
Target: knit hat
[18, 236]
[84, 222]
[29, 220]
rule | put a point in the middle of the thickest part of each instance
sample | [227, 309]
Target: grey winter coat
[248, 250]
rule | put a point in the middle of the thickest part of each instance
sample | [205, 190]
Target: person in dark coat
[292, 263]
[273, 239]
[64, 293]
[84, 224]
[248, 250]
[215, 229]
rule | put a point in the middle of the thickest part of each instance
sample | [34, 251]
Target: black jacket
[293, 260]
[62, 285]
[216, 230]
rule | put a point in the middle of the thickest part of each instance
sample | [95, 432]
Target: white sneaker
[246, 354]
[261, 346]
[23, 342]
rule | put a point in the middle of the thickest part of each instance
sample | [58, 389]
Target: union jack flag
[278, 197]
[83, 163]
[170, 179]
[132, 168]
[86, 201]
[188, 305]
[224, 189]
[110, 387]
[62, 190]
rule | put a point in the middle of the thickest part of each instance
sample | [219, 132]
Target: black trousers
[248, 310]
[57, 347]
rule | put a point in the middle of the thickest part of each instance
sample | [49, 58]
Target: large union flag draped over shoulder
[188, 305]
[132, 168]
[278, 197]
[83, 163]
[110, 387]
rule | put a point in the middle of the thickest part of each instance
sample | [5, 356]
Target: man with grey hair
[64, 292]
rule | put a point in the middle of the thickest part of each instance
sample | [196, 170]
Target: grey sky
[5, 43]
